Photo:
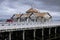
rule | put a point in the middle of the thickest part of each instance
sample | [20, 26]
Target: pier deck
[30, 31]
[26, 26]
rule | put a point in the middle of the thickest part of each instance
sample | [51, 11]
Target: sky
[10, 7]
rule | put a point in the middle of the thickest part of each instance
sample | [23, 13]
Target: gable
[33, 16]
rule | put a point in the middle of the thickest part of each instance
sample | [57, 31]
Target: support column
[43, 34]
[34, 34]
[18, 20]
[55, 31]
[27, 20]
[49, 33]
[9, 35]
[23, 34]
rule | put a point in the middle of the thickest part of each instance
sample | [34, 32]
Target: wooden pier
[30, 31]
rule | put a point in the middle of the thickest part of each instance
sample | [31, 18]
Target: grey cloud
[51, 5]
[16, 5]
[51, 2]
[1, 1]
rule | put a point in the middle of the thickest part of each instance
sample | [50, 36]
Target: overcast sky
[9, 7]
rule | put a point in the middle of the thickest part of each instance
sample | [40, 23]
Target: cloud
[10, 7]
[51, 5]
[57, 14]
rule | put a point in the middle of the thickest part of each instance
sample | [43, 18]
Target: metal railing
[25, 23]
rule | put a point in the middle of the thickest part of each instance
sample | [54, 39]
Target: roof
[39, 14]
[42, 14]
[31, 10]
[16, 15]
[25, 15]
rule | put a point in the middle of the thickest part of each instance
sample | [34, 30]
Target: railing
[25, 23]
[31, 24]
[15, 26]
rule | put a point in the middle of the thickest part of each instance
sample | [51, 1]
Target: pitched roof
[16, 15]
[40, 14]
[25, 15]
[31, 10]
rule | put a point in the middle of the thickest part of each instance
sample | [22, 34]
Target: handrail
[25, 23]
